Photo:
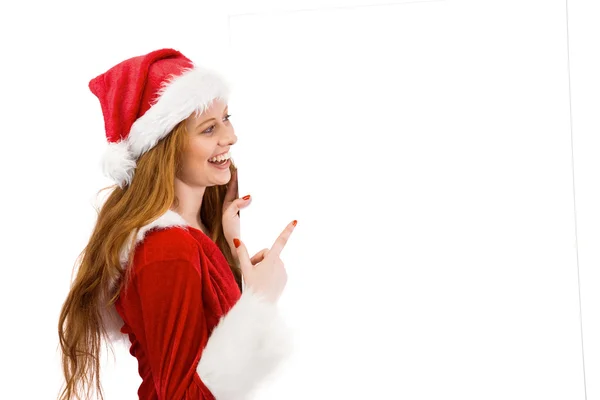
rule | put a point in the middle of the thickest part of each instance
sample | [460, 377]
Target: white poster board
[425, 150]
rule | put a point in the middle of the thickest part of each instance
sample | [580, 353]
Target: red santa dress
[194, 334]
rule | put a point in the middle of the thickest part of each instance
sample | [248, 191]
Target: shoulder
[165, 237]
[171, 243]
[167, 257]
[165, 262]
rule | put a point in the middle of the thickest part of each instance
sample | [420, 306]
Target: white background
[441, 158]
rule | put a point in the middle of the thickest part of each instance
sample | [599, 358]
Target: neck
[190, 203]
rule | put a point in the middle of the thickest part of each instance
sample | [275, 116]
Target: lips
[225, 152]
[223, 166]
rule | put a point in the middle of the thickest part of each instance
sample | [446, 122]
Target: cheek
[193, 170]
[196, 159]
[196, 162]
[197, 152]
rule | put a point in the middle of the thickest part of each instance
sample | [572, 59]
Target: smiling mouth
[223, 165]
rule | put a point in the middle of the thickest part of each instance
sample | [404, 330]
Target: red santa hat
[144, 98]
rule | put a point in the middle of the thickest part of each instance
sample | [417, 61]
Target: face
[209, 134]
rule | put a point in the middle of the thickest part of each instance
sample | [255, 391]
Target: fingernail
[294, 222]
[236, 242]
[246, 197]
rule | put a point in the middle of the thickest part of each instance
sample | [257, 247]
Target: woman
[162, 266]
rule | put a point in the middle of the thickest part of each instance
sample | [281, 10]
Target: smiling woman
[161, 271]
[209, 134]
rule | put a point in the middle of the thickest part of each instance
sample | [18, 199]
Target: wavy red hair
[150, 194]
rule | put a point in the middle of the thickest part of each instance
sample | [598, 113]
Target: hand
[268, 277]
[258, 257]
[231, 212]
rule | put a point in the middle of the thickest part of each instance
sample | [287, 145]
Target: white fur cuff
[247, 345]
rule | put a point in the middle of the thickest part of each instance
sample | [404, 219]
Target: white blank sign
[425, 150]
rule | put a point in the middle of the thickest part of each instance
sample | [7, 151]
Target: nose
[229, 136]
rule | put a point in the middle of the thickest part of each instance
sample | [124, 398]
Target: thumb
[243, 257]
[241, 203]
[237, 205]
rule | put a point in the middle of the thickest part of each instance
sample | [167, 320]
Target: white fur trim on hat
[118, 163]
[192, 91]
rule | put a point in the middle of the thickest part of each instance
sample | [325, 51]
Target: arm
[170, 298]
[246, 346]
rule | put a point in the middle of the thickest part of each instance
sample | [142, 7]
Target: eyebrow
[210, 119]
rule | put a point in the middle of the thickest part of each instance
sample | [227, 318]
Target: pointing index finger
[281, 241]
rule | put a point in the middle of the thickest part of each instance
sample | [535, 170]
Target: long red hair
[150, 194]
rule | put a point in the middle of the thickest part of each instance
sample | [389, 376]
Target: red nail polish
[246, 197]
[236, 242]
[294, 222]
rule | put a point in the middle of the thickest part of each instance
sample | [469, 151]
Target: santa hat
[144, 98]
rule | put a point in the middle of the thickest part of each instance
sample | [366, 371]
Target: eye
[211, 128]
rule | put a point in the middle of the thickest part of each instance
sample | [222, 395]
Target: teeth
[225, 156]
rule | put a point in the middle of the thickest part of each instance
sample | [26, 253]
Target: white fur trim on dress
[245, 348]
[168, 219]
[192, 91]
